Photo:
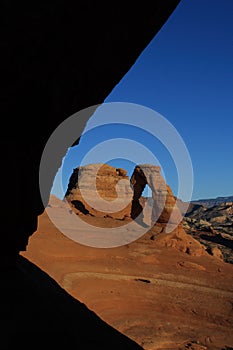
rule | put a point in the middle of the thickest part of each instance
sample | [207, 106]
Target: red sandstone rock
[100, 190]
[164, 202]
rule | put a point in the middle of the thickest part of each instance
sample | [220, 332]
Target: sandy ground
[160, 297]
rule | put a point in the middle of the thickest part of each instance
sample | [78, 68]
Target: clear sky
[186, 75]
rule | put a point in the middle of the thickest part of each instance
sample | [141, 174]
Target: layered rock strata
[163, 201]
[100, 190]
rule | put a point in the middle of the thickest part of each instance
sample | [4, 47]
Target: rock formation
[161, 297]
[218, 218]
[58, 58]
[100, 190]
[164, 203]
[213, 227]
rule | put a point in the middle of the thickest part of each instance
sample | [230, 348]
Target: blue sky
[186, 75]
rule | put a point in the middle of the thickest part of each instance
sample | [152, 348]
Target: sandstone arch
[164, 208]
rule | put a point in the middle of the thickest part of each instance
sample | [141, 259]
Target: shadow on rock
[37, 313]
[219, 239]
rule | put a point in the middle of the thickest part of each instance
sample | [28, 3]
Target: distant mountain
[211, 202]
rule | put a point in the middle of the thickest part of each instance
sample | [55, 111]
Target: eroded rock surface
[100, 190]
[213, 227]
[163, 200]
[150, 290]
[217, 218]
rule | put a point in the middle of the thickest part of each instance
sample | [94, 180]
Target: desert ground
[157, 294]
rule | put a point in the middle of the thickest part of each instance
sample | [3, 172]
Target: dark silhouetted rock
[57, 58]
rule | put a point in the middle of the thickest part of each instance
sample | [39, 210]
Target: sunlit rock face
[100, 190]
[167, 230]
[163, 201]
[103, 191]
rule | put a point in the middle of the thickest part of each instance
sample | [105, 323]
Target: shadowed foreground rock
[36, 313]
[57, 58]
